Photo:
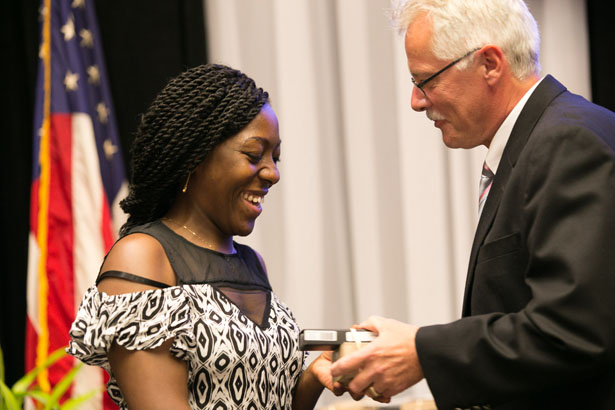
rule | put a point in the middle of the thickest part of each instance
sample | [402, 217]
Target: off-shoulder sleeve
[135, 321]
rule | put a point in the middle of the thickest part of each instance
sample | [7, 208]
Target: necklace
[207, 244]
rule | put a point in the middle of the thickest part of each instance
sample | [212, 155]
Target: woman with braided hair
[178, 302]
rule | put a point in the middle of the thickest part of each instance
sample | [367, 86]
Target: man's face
[457, 101]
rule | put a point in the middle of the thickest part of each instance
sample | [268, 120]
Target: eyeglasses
[421, 84]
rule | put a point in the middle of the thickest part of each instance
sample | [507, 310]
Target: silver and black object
[331, 339]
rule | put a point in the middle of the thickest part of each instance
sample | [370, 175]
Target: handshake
[342, 343]
[376, 357]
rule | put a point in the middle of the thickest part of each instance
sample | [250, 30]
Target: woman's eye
[254, 158]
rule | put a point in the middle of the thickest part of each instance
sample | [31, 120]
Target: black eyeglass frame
[421, 84]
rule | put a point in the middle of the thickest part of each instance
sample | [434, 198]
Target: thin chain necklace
[207, 244]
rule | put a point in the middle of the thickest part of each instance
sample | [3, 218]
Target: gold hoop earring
[185, 188]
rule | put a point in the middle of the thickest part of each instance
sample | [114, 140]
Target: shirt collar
[496, 148]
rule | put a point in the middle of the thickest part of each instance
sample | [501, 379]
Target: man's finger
[356, 396]
[350, 363]
[339, 388]
[371, 323]
[361, 382]
[382, 399]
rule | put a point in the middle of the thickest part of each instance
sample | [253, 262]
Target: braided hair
[194, 113]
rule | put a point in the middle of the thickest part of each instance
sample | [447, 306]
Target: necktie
[486, 179]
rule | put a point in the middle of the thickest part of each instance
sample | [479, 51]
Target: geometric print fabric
[232, 361]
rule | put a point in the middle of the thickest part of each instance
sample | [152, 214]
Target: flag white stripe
[89, 247]
[34, 255]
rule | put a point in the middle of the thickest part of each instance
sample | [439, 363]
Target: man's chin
[451, 142]
[457, 143]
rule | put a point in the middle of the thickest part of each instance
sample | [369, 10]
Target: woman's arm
[312, 382]
[148, 379]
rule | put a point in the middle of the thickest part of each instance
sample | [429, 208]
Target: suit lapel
[542, 96]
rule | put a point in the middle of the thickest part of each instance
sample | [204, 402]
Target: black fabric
[240, 276]
[129, 276]
[194, 264]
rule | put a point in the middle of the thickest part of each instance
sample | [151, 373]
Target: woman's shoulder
[138, 254]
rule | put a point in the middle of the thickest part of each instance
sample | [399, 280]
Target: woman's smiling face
[228, 188]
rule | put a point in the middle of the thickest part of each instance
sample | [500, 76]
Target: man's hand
[386, 366]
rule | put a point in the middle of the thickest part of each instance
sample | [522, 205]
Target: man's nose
[418, 100]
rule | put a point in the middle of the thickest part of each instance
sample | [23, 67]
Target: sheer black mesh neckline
[195, 264]
[239, 277]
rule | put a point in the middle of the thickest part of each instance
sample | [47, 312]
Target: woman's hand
[387, 365]
[313, 380]
[321, 369]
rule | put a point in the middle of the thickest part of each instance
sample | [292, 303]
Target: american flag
[78, 180]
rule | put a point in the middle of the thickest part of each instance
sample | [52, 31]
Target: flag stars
[103, 112]
[42, 51]
[68, 29]
[110, 149]
[70, 81]
[87, 40]
[93, 75]
[42, 12]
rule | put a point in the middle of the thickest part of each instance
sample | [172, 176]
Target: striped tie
[486, 179]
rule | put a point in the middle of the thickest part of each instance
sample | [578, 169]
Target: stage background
[373, 214]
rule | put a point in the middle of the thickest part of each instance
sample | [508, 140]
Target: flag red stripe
[60, 299]
[31, 340]
[107, 224]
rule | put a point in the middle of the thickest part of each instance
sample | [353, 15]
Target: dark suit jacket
[538, 330]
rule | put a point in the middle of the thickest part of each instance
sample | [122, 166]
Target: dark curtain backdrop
[145, 43]
[602, 52]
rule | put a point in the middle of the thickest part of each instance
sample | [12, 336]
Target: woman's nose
[270, 172]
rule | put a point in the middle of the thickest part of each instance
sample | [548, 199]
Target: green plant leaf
[63, 385]
[21, 385]
[75, 402]
[1, 365]
[13, 399]
[39, 396]
[9, 401]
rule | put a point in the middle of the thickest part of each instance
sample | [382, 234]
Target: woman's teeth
[255, 199]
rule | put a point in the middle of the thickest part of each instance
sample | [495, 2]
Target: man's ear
[493, 63]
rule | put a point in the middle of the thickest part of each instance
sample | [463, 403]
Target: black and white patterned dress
[233, 362]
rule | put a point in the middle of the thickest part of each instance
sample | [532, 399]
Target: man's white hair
[463, 25]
